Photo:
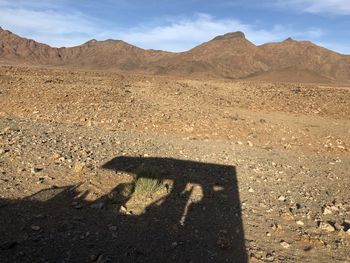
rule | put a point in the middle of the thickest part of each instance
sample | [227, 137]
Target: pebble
[326, 227]
[78, 206]
[55, 156]
[327, 211]
[284, 244]
[113, 228]
[338, 227]
[276, 226]
[78, 167]
[101, 259]
[98, 205]
[35, 228]
[270, 257]
[123, 209]
[282, 198]
[300, 223]
[35, 170]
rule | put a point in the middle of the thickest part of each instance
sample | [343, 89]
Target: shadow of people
[198, 219]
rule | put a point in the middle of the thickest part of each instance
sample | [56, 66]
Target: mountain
[306, 56]
[233, 56]
[17, 50]
[227, 56]
[110, 54]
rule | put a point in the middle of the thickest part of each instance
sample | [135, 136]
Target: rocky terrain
[229, 56]
[248, 171]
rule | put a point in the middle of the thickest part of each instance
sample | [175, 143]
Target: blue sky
[178, 25]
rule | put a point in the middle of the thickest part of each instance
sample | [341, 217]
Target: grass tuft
[147, 183]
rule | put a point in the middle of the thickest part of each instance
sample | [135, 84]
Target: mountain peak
[288, 39]
[91, 41]
[231, 35]
[4, 30]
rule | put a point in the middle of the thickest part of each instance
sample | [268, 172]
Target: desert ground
[239, 171]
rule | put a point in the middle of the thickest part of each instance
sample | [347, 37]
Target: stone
[282, 198]
[35, 170]
[284, 244]
[338, 226]
[123, 209]
[327, 211]
[300, 223]
[35, 228]
[113, 228]
[98, 205]
[270, 257]
[101, 259]
[276, 226]
[78, 167]
[326, 227]
[55, 156]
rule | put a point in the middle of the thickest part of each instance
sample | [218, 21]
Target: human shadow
[198, 219]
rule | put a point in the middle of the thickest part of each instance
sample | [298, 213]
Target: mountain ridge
[226, 56]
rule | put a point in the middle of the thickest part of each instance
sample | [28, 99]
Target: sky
[178, 25]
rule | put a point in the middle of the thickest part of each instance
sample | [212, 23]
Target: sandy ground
[249, 171]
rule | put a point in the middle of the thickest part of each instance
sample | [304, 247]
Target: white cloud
[51, 27]
[183, 34]
[339, 7]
